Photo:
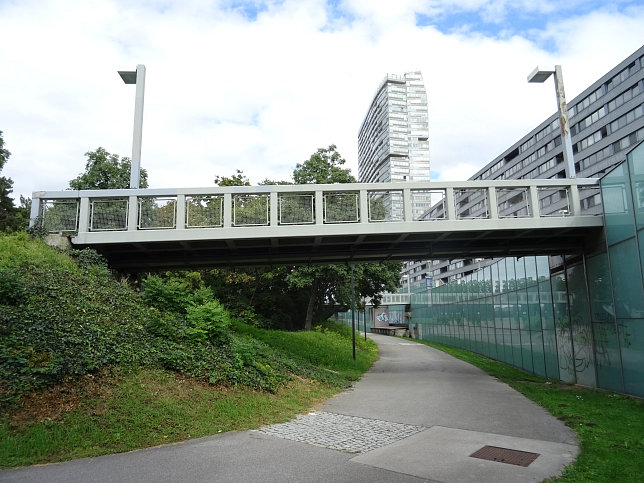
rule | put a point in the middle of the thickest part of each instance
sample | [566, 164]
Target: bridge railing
[276, 205]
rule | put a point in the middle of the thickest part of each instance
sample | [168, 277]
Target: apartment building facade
[606, 120]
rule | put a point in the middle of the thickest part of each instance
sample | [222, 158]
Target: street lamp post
[540, 74]
[136, 77]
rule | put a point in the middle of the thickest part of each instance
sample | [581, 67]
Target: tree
[323, 167]
[329, 285]
[106, 171]
[296, 297]
[237, 179]
[11, 218]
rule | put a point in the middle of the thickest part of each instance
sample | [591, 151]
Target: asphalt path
[417, 415]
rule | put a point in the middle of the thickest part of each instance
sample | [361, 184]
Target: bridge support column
[493, 203]
[535, 209]
[364, 207]
[132, 213]
[83, 216]
[181, 212]
[35, 211]
[575, 201]
[450, 204]
[408, 211]
[273, 206]
[319, 208]
[228, 210]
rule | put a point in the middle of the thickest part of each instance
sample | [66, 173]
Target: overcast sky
[261, 85]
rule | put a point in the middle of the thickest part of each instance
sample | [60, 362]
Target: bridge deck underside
[153, 254]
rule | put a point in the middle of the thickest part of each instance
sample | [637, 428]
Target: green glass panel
[550, 354]
[618, 206]
[531, 270]
[526, 350]
[517, 352]
[565, 353]
[602, 309]
[547, 309]
[631, 339]
[538, 361]
[543, 268]
[534, 311]
[506, 271]
[627, 279]
[608, 357]
[519, 267]
[584, 361]
[636, 167]
[492, 345]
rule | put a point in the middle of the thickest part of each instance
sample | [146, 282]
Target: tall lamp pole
[136, 77]
[540, 74]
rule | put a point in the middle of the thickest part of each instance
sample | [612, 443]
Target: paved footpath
[418, 415]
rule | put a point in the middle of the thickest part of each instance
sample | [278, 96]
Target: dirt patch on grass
[53, 403]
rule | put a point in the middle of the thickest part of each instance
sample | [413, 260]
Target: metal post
[540, 74]
[136, 77]
[364, 316]
[353, 313]
[135, 173]
[565, 128]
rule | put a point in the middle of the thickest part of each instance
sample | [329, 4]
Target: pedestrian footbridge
[153, 229]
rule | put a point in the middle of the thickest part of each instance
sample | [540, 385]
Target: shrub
[175, 293]
[12, 286]
[208, 322]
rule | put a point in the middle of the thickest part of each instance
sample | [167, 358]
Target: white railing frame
[84, 197]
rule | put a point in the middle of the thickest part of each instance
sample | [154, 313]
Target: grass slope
[87, 368]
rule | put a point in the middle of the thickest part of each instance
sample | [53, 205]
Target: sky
[260, 85]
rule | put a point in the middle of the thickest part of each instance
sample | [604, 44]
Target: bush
[208, 322]
[88, 258]
[12, 287]
[175, 293]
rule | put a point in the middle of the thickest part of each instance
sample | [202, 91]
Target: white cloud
[224, 92]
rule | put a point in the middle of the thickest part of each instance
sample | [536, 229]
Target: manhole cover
[505, 455]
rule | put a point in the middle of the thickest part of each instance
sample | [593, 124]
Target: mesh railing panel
[591, 200]
[108, 215]
[554, 201]
[386, 206]
[471, 203]
[157, 213]
[250, 210]
[430, 204]
[341, 208]
[60, 215]
[296, 209]
[204, 211]
[513, 202]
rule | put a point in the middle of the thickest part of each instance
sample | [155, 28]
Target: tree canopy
[237, 179]
[106, 171]
[323, 167]
[11, 217]
[329, 285]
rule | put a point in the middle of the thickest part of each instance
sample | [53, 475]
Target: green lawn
[120, 410]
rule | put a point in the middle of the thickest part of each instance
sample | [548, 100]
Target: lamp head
[128, 76]
[540, 74]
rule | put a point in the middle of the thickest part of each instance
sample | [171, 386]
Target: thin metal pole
[135, 173]
[353, 313]
[569, 161]
[364, 316]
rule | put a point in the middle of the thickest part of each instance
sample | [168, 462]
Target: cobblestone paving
[344, 433]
